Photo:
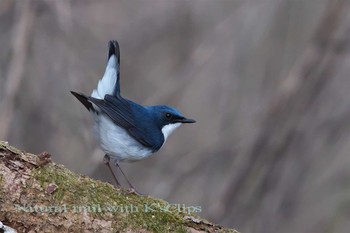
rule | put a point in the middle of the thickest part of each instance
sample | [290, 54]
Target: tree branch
[37, 195]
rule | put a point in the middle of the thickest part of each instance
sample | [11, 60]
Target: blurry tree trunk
[15, 71]
[286, 120]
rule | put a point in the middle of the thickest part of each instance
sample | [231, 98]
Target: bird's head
[168, 119]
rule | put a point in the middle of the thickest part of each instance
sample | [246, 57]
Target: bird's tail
[109, 84]
[84, 100]
[113, 49]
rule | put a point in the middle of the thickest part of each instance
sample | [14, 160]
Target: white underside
[116, 142]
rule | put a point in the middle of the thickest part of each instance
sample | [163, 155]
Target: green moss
[80, 193]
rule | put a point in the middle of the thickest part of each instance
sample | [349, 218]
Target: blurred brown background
[267, 81]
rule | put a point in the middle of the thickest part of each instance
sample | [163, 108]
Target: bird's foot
[117, 186]
[133, 191]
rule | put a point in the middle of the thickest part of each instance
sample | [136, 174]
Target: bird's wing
[109, 84]
[119, 110]
[84, 100]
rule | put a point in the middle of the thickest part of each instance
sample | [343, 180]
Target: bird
[126, 131]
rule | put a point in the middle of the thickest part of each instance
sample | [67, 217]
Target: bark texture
[37, 195]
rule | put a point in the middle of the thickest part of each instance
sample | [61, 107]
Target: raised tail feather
[109, 84]
[113, 49]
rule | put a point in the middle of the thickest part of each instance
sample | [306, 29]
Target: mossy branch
[37, 195]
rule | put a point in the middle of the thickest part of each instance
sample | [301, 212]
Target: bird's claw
[133, 191]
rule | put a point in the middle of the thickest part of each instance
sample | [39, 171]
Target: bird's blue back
[146, 121]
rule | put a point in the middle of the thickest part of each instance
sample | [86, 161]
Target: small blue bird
[125, 130]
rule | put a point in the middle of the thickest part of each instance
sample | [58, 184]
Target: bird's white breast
[116, 142]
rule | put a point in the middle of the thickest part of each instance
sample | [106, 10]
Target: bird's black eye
[168, 116]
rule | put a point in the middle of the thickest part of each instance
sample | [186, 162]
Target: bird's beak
[186, 120]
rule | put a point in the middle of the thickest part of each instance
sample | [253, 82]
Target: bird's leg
[106, 160]
[131, 187]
